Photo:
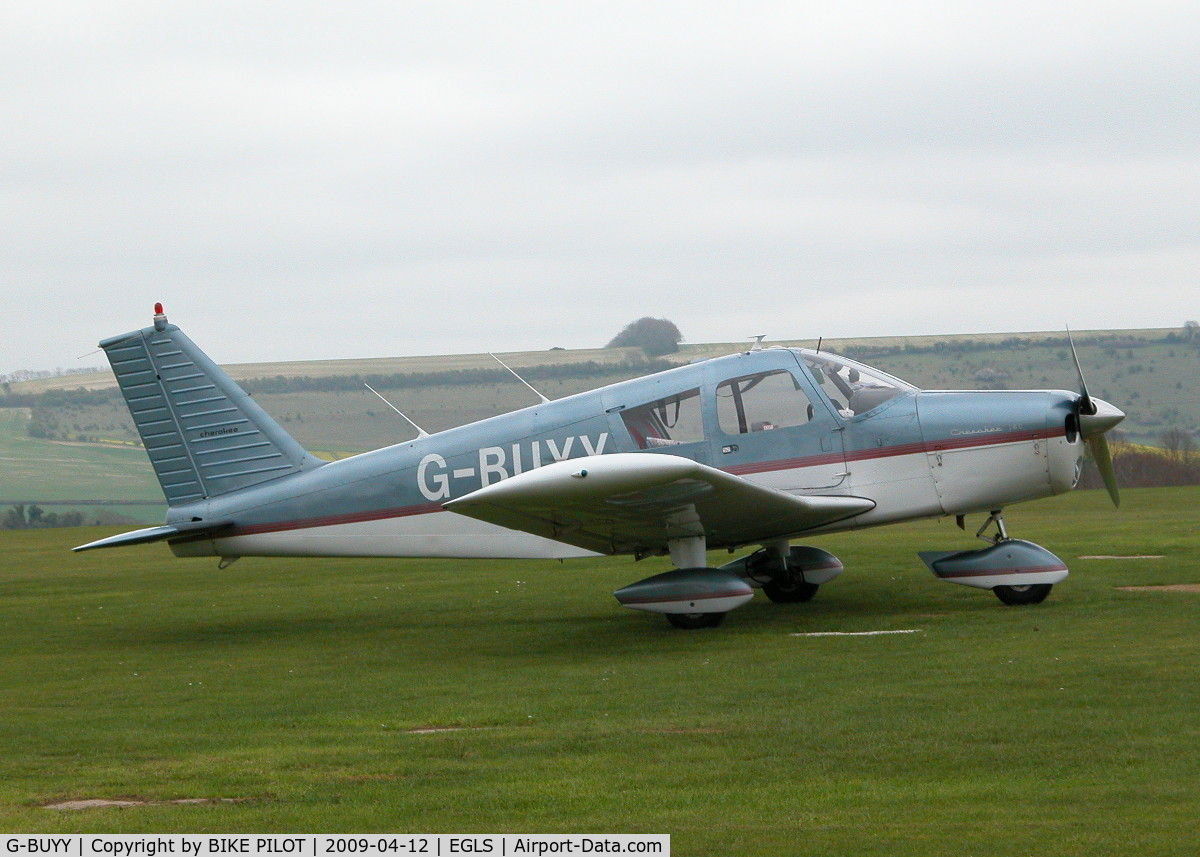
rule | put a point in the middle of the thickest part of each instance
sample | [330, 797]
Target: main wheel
[1030, 593]
[694, 621]
[792, 591]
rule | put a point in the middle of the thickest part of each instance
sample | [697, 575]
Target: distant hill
[1150, 373]
[362, 367]
[609, 356]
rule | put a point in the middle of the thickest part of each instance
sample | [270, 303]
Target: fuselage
[790, 419]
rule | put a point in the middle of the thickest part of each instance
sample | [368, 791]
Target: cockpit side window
[761, 402]
[852, 387]
[669, 421]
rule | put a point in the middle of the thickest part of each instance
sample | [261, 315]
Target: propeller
[1096, 417]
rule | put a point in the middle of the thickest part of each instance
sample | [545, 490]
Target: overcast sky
[301, 180]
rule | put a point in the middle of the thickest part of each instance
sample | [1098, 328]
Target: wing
[635, 502]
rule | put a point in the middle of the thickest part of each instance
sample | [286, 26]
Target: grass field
[42, 471]
[294, 686]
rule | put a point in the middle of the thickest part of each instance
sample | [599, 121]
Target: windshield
[853, 387]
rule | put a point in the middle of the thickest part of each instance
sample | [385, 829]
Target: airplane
[749, 451]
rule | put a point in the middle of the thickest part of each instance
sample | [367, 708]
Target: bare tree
[1179, 444]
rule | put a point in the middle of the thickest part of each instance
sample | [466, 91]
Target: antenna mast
[420, 431]
[519, 378]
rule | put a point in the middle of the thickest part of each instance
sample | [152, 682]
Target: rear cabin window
[761, 402]
[669, 421]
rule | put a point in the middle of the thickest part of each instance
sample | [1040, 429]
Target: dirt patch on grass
[1164, 587]
[125, 803]
[430, 730]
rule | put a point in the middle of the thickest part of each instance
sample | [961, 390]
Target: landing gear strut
[996, 517]
[1014, 596]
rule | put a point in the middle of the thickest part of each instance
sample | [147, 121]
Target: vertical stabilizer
[204, 434]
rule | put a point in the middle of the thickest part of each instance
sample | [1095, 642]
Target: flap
[632, 502]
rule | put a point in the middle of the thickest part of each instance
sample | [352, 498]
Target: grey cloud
[526, 175]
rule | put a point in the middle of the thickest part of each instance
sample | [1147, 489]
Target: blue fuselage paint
[917, 454]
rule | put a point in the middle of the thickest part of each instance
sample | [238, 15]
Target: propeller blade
[1086, 405]
[1103, 458]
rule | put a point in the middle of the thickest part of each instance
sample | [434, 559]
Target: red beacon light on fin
[158, 310]
[160, 319]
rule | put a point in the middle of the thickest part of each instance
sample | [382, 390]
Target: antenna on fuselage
[757, 346]
[820, 339]
[519, 378]
[420, 431]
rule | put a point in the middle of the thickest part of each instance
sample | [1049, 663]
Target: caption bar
[337, 845]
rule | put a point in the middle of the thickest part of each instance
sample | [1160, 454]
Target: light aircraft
[748, 451]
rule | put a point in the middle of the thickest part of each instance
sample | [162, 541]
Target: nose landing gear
[1017, 572]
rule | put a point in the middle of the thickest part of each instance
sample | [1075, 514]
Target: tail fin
[205, 436]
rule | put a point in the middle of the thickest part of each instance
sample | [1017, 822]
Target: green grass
[39, 471]
[1067, 728]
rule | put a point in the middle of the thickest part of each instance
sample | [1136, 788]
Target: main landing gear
[694, 597]
[1016, 571]
[790, 589]
[788, 575]
[695, 621]
[690, 598]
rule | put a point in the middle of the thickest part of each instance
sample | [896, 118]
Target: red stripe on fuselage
[334, 520]
[990, 439]
[737, 470]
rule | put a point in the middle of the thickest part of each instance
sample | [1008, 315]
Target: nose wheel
[1017, 572]
[695, 621]
[1030, 593]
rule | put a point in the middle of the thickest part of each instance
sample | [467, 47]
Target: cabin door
[772, 428]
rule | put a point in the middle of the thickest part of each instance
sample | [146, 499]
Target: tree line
[1176, 463]
[452, 377]
[81, 397]
[34, 517]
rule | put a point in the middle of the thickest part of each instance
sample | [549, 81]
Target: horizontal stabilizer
[157, 534]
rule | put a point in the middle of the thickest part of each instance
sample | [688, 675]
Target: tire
[1031, 593]
[695, 621]
[790, 592]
